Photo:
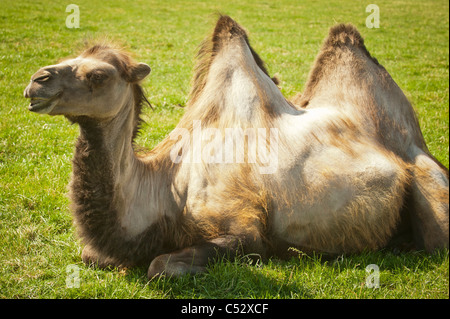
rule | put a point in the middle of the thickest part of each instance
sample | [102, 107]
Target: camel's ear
[139, 72]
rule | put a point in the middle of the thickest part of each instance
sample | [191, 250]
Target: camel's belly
[351, 207]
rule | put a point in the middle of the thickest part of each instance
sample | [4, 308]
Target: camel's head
[94, 84]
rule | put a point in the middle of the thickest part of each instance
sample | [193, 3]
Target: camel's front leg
[91, 257]
[194, 259]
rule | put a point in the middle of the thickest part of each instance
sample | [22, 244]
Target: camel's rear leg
[429, 207]
[194, 259]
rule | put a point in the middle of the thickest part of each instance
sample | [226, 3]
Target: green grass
[37, 241]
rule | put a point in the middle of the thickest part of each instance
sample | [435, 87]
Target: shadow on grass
[302, 277]
[229, 280]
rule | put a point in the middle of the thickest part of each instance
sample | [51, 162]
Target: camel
[341, 169]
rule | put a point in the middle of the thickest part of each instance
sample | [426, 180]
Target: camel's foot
[172, 265]
[194, 259]
[93, 259]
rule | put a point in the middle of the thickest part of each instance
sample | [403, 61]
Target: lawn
[39, 253]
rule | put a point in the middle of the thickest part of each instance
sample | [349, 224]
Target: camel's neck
[120, 204]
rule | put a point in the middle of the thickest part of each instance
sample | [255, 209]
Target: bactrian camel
[341, 169]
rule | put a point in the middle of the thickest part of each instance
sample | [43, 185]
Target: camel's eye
[96, 78]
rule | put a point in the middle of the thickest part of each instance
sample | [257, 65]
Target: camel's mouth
[43, 105]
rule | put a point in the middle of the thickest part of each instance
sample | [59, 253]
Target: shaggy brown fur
[93, 205]
[345, 171]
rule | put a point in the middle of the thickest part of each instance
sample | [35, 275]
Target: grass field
[39, 253]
